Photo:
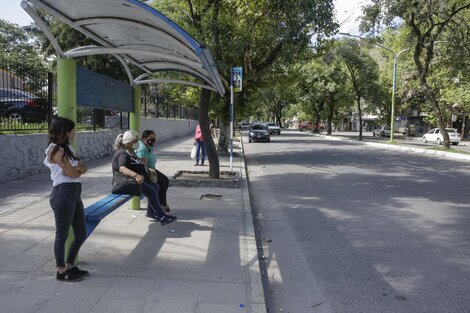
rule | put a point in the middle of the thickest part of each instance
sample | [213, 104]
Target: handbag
[193, 152]
[125, 185]
[153, 175]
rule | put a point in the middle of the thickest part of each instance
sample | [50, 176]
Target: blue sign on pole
[236, 78]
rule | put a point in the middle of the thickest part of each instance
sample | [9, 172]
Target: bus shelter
[132, 32]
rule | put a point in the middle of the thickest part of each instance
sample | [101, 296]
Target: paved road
[351, 228]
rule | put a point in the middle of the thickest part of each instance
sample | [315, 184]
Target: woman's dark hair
[147, 133]
[58, 130]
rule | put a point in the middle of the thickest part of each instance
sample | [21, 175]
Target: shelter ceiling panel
[133, 32]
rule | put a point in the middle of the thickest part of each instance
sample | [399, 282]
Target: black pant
[163, 183]
[68, 210]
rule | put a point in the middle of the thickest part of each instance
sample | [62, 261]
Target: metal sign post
[235, 86]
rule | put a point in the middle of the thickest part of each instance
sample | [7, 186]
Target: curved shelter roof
[133, 32]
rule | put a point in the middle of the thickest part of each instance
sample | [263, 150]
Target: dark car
[21, 106]
[259, 132]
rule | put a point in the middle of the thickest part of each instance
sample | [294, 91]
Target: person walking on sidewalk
[123, 160]
[200, 145]
[146, 154]
[65, 199]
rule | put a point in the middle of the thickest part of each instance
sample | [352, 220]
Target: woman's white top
[57, 173]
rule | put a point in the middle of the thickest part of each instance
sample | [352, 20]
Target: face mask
[151, 142]
[135, 146]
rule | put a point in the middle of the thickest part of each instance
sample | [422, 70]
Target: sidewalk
[205, 262]
[405, 144]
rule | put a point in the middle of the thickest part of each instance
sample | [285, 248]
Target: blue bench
[100, 209]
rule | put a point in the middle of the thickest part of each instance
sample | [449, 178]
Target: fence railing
[27, 105]
[25, 99]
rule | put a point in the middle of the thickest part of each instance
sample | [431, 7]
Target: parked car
[274, 129]
[383, 131]
[304, 126]
[435, 135]
[243, 125]
[22, 106]
[259, 132]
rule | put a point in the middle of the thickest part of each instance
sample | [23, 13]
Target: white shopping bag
[193, 153]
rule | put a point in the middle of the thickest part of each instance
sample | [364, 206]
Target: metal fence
[27, 104]
[153, 106]
[25, 99]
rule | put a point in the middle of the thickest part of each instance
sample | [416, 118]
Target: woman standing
[145, 153]
[200, 145]
[65, 199]
[123, 160]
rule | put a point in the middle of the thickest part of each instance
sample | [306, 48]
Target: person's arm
[63, 161]
[124, 170]
[143, 155]
[122, 161]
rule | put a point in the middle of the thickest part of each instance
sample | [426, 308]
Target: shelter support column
[134, 124]
[67, 89]
[67, 107]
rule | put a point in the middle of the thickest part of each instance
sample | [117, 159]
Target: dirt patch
[202, 179]
[205, 175]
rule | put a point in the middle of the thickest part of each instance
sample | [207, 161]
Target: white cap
[129, 136]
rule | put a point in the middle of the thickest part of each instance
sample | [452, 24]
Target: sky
[347, 13]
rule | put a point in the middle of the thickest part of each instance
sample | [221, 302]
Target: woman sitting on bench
[145, 153]
[123, 160]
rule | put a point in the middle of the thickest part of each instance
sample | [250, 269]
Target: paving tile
[18, 303]
[120, 305]
[8, 280]
[180, 290]
[223, 292]
[204, 307]
[170, 306]
[132, 287]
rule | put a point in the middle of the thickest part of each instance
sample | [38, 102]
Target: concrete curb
[258, 304]
[449, 155]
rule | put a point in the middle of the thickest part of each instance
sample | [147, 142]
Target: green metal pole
[392, 117]
[134, 124]
[67, 107]
[67, 89]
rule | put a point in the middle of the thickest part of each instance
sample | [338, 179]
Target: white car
[274, 129]
[383, 131]
[434, 135]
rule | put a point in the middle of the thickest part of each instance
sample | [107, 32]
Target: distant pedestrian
[123, 160]
[213, 130]
[145, 152]
[200, 146]
[65, 199]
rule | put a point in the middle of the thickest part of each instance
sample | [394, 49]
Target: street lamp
[395, 62]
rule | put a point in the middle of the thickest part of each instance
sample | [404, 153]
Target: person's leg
[151, 211]
[62, 202]
[164, 182]
[59, 203]
[203, 148]
[198, 147]
[79, 228]
[151, 193]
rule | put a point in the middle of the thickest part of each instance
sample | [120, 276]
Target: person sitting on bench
[145, 153]
[122, 161]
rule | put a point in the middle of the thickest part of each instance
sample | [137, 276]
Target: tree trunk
[224, 125]
[331, 108]
[212, 156]
[359, 111]
[429, 94]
